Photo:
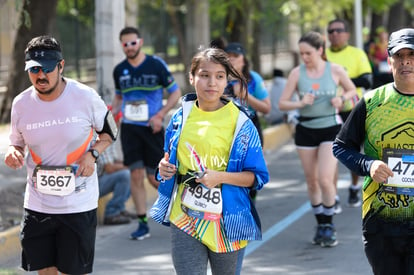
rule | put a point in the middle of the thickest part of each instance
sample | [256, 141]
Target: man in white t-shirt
[53, 125]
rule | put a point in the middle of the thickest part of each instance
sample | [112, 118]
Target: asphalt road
[287, 223]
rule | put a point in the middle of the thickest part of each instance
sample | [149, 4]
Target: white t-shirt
[57, 133]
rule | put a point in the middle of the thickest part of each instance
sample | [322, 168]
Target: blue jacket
[241, 221]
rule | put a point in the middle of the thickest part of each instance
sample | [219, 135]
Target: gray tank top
[321, 114]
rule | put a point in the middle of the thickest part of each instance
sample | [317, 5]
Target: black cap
[42, 58]
[401, 39]
[235, 47]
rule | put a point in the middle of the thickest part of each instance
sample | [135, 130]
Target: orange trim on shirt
[75, 155]
[36, 159]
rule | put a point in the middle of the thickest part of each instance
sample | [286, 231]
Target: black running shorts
[309, 137]
[66, 241]
[141, 148]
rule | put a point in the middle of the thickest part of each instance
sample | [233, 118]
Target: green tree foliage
[41, 22]
[75, 27]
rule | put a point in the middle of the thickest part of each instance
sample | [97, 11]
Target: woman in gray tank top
[322, 88]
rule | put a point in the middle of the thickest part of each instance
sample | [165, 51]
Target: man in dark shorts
[140, 80]
[383, 122]
[54, 123]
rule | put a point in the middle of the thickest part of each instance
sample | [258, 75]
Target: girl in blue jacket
[213, 158]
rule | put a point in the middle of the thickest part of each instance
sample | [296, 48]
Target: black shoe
[117, 219]
[353, 199]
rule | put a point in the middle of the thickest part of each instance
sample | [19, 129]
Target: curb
[276, 136]
[273, 138]
[10, 242]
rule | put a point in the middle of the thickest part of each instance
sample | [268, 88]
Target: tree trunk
[397, 17]
[41, 15]
[236, 25]
[178, 30]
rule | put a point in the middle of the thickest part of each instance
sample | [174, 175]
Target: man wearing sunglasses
[356, 63]
[52, 130]
[140, 81]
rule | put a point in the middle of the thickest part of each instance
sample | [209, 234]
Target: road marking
[278, 227]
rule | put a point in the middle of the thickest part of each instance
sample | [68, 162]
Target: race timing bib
[54, 180]
[201, 202]
[401, 163]
[136, 110]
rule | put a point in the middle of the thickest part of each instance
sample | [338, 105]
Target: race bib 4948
[202, 202]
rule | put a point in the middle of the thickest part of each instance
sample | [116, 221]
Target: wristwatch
[94, 153]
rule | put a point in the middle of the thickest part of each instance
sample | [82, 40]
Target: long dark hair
[219, 56]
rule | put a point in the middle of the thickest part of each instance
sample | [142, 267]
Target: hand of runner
[166, 169]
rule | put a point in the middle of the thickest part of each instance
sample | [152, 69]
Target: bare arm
[285, 102]
[156, 121]
[87, 161]
[260, 105]
[348, 87]
[116, 104]
[213, 178]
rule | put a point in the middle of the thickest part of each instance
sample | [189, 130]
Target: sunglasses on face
[36, 69]
[130, 43]
[331, 31]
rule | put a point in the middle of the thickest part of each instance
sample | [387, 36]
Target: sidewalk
[274, 137]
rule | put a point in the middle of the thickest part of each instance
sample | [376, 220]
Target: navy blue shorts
[66, 241]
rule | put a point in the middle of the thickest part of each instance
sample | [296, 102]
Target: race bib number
[54, 180]
[401, 162]
[137, 110]
[202, 202]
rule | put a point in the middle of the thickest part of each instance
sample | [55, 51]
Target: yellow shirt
[356, 63]
[206, 138]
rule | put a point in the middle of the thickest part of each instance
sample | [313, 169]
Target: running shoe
[116, 219]
[318, 235]
[337, 207]
[353, 199]
[141, 233]
[329, 236]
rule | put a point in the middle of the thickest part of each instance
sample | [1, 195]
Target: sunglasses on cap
[338, 30]
[46, 70]
[130, 43]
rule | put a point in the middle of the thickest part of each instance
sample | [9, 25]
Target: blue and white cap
[43, 58]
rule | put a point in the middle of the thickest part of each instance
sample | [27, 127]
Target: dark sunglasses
[130, 43]
[36, 69]
[331, 31]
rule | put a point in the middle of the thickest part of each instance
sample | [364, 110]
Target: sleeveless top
[321, 114]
